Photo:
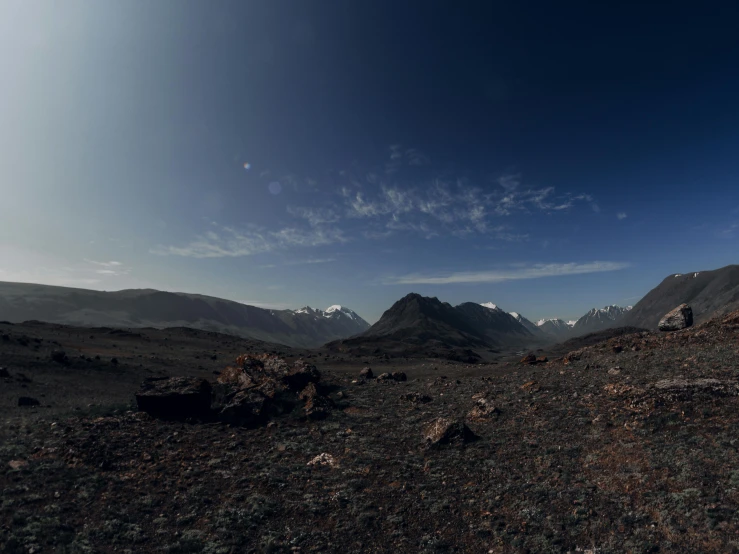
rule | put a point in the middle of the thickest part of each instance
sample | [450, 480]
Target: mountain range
[151, 308]
[414, 322]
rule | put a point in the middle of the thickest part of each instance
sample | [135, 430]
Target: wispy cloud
[535, 271]
[369, 204]
[232, 242]
[621, 215]
[110, 269]
[729, 232]
[311, 261]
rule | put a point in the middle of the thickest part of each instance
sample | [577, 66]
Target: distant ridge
[423, 324]
[598, 319]
[152, 308]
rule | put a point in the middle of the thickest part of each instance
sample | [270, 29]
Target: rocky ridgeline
[250, 393]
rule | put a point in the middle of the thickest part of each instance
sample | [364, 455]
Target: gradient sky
[549, 157]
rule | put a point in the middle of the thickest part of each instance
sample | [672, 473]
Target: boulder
[246, 408]
[60, 357]
[253, 370]
[529, 359]
[679, 318]
[300, 375]
[366, 373]
[384, 377]
[316, 406]
[442, 431]
[28, 401]
[399, 376]
[174, 397]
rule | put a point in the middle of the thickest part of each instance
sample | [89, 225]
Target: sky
[548, 157]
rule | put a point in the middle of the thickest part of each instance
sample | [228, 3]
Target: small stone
[444, 431]
[17, 464]
[614, 371]
[324, 459]
[484, 408]
[416, 397]
[384, 377]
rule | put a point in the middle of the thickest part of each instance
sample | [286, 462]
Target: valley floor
[628, 445]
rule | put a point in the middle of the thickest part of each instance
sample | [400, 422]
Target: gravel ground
[628, 445]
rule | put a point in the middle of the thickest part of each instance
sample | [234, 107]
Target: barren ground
[628, 445]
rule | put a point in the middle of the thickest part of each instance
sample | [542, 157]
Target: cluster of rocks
[254, 390]
[367, 373]
[531, 359]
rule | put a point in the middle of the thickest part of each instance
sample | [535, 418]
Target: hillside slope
[709, 293]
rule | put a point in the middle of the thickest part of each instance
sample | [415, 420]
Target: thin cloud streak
[229, 242]
[535, 271]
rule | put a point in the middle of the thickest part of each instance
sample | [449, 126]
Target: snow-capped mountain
[600, 318]
[490, 305]
[529, 325]
[342, 311]
[554, 327]
[334, 322]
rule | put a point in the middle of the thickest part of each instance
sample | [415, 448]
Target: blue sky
[547, 158]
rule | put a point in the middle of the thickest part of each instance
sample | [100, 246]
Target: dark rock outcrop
[679, 318]
[245, 408]
[28, 401]
[175, 397]
[262, 386]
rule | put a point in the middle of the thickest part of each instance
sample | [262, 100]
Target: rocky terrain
[305, 327]
[625, 444]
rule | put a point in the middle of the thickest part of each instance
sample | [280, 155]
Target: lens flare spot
[247, 165]
[275, 187]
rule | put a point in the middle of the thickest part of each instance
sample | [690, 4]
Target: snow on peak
[553, 320]
[305, 310]
[337, 309]
[515, 314]
[571, 322]
[490, 305]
